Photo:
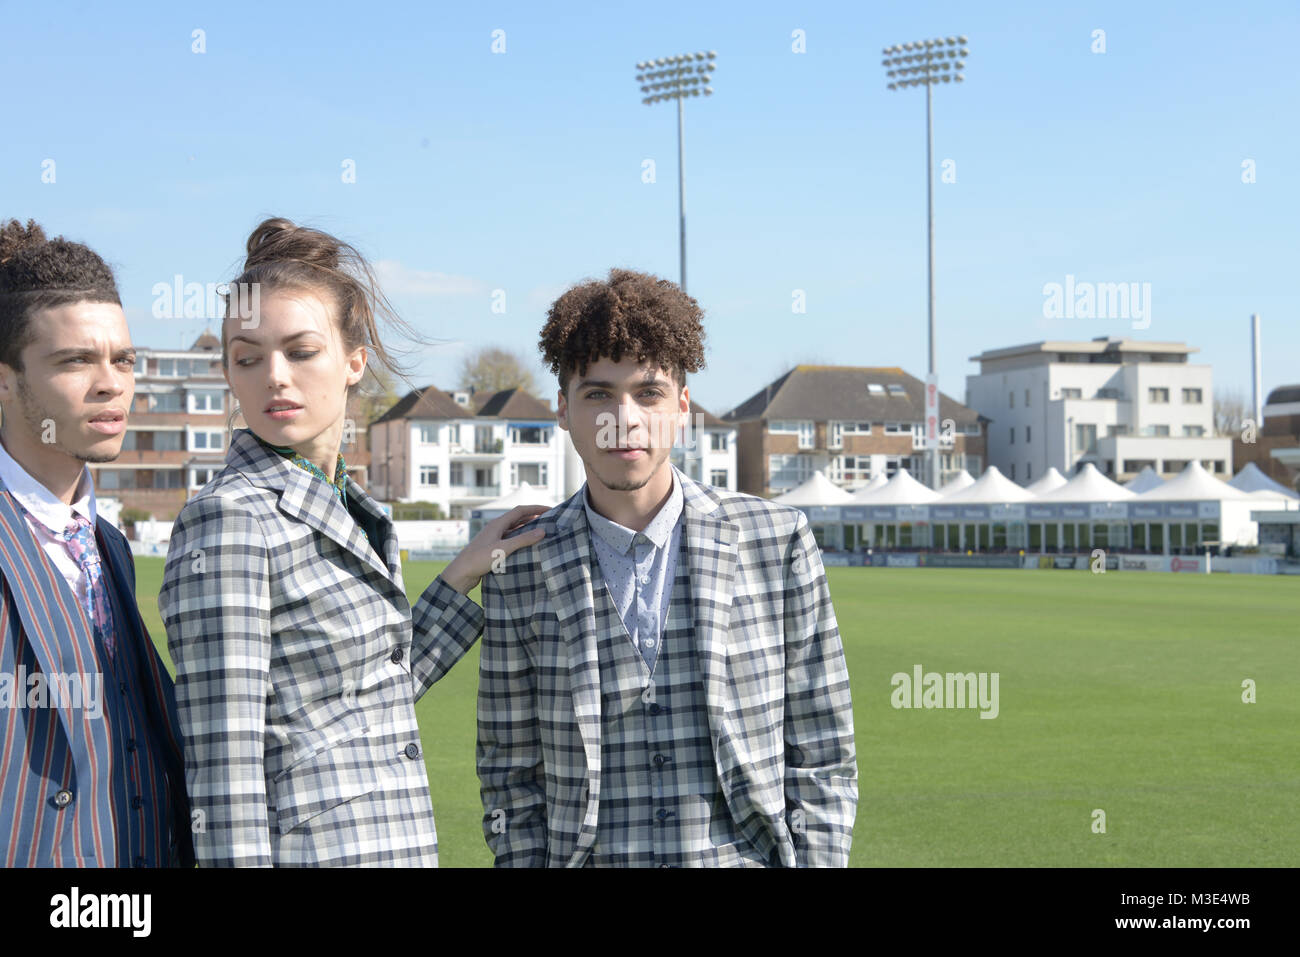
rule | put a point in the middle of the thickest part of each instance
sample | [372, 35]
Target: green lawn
[1120, 692]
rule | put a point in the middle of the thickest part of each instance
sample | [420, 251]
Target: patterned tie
[80, 539]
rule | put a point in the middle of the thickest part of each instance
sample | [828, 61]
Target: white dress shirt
[48, 517]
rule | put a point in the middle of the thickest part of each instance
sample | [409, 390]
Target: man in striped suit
[91, 772]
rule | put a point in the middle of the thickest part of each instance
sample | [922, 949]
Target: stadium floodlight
[938, 61]
[678, 77]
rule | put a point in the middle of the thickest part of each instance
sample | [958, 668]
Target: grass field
[1120, 692]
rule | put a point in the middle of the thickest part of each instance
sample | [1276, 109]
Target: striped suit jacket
[298, 665]
[775, 680]
[67, 748]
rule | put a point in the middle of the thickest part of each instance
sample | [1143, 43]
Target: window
[896, 389]
[1085, 439]
[1158, 396]
[850, 469]
[1071, 393]
[457, 474]
[1160, 430]
[534, 473]
[1194, 431]
[1013, 435]
[208, 400]
[1029, 471]
[1012, 476]
[719, 477]
[168, 478]
[530, 434]
[428, 475]
[140, 365]
[803, 428]
[718, 442]
[1011, 400]
[897, 428]
[1026, 435]
[167, 367]
[1118, 430]
[972, 428]
[1026, 398]
[201, 477]
[165, 402]
[202, 440]
[787, 471]
[169, 441]
[428, 435]
[453, 437]
[1192, 396]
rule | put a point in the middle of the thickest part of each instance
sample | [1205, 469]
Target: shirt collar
[658, 531]
[40, 501]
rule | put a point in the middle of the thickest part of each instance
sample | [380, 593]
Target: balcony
[492, 450]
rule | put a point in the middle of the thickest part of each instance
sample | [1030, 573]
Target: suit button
[63, 798]
[659, 760]
[662, 814]
[655, 709]
[396, 656]
[412, 751]
[136, 803]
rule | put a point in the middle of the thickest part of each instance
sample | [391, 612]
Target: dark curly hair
[36, 274]
[630, 314]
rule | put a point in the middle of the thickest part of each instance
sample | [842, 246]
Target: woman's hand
[475, 560]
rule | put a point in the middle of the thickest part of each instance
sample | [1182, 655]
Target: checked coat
[298, 665]
[769, 653]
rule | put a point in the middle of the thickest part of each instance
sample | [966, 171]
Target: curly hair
[36, 274]
[630, 314]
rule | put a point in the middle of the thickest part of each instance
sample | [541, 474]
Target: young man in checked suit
[91, 775]
[662, 681]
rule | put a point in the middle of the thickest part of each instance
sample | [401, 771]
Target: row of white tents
[1146, 513]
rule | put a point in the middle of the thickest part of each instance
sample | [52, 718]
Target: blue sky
[522, 170]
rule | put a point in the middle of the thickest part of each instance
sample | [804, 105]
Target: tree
[491, 369]
[375, 395]
[1230, 412]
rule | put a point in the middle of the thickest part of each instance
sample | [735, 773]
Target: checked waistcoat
[661, 804]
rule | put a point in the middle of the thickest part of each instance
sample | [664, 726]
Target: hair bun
[280, 240]
[15, 237]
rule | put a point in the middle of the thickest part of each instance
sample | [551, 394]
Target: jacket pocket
[333, 774]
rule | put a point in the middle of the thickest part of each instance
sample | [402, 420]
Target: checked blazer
[298, 665]
[769, 651]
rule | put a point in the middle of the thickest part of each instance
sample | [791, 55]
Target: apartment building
[1274, 445]
[461, 450]
[851, 422]
[706, 449]
[1118, 403]
[177, 431]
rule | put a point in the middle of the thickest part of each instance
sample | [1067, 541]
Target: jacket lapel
[565, 563]
[307, 499]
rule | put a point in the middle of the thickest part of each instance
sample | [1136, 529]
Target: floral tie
[80, 539]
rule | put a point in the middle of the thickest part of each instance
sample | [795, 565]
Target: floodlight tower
[928, 63]
[676, 78]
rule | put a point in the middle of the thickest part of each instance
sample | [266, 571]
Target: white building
[461, 451]
[1118, 403]
[706, 449]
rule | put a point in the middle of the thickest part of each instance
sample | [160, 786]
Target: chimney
[1257, 385]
